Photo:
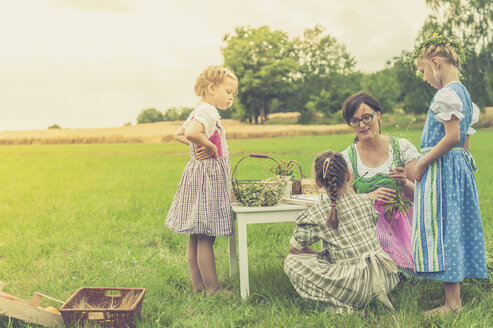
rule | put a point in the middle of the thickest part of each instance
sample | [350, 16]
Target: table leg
[243, 257]
[233, 260]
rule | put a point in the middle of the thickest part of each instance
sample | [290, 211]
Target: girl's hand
[399, 174]
[383, 194]
[420, 170]
[207, 152]
[306, 250]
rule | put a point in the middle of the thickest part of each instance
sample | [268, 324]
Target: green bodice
[366, 185]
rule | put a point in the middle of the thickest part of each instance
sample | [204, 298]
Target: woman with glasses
[375, 161]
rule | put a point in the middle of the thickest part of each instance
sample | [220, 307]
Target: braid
[332, 220]
[332, 177]
[446, 51]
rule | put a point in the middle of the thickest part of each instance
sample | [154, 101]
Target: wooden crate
[28, 311]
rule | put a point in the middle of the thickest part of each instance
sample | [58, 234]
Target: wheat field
[159, 132]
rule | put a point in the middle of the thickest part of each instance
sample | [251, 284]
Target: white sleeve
[408, 151]
[205, 114]
[348, 162]
[445, 104]
[475, 119]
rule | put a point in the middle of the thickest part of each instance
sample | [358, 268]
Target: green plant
[267, 192]
[284, 168]
[399, 203]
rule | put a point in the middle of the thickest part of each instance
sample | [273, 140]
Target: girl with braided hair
[352, 268]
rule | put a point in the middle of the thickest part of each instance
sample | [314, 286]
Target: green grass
[93, 215]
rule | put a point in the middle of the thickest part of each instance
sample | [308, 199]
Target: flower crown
[436, 40]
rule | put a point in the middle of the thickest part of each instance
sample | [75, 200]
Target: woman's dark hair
[352, 103]
[330, 171]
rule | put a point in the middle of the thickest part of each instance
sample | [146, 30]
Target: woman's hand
[207, 152]
[383, 194]
[399, 174]
[420, 170]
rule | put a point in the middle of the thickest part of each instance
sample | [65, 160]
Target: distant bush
[150, 115]
[184, 113]
[177, 113]
[171, 114]
[55, 126]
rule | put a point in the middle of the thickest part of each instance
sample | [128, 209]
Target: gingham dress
[202, 204]
[352, 268]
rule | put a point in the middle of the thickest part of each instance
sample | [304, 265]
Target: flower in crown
[437, 40]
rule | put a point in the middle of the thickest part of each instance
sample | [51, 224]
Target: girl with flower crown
[352, 267]
[448, 239]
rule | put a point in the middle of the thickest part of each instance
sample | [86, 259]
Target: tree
[150, 115]
[326, 74]
[384, 86]
[171, 114]
[184, 113]
[265, 63]
[470, 22]
[177, 113]
[414, 94]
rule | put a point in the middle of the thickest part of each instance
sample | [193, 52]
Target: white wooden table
[254, 215]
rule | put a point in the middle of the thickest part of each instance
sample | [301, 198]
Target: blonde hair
[330, 171]
[212, 74]
[445, 51]
[438, 45]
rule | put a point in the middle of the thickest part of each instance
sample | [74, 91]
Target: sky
[99, 63]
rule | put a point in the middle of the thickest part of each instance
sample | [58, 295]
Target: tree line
[315, 73]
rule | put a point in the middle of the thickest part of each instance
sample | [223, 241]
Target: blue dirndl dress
[448, 238]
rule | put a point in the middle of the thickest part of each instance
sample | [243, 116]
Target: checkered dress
[352, 268]
[202, 204]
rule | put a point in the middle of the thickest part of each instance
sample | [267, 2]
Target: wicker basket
[257, 192]
[104, 308]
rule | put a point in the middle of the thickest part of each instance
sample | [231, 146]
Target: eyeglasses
[366, 119]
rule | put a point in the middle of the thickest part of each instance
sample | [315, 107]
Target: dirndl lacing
[378, 263]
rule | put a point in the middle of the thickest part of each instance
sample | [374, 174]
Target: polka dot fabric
[463, 237]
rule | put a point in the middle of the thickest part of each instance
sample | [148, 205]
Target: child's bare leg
[452, 295]
[207, 263]
[452, 300]
[197, 282]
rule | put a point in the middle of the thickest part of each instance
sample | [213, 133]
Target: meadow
[93, 215]
[163, 132]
